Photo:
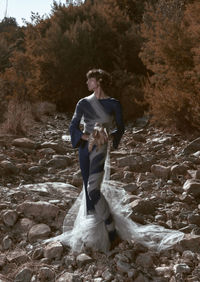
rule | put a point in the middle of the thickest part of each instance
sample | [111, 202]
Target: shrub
[171, 52]
[18, 118]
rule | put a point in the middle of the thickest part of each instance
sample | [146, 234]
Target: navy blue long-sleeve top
[83, 108]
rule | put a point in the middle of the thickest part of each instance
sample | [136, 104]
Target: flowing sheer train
[81, 229]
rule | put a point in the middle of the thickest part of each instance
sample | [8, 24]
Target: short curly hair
[102, 76]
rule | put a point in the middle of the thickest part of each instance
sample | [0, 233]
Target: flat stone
[53, 250]
[39, 231]
[131, 187]
[24, 142]
[55, 146]
[24, 275]
[131, 161]
[40, 210]
[18, 256]
[59, 163]
[46, 188]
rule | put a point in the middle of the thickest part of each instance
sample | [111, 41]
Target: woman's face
[92, 84]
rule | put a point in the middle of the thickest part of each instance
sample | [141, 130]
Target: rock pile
[40, 179]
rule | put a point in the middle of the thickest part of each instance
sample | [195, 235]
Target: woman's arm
[76, 134]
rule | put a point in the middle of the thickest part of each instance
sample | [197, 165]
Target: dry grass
[20, 118]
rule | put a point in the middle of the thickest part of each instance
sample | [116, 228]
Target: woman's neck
[100, 94]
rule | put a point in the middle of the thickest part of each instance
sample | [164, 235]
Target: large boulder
[40, 210]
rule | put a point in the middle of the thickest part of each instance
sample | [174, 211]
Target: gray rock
[68, 277]
[39, 231]
[53, 250]
[24, 142]
[167, 140]
[146, 185]
[6, 242]
[9, 167]
[59, 162]
[123, 266]
[47, 151]
[24, 275]
[182, 268]
[46, 274]
[131, 161]
[55, 146]
[145, 260]
[36, 169]
[189, 255]
[177, 170]
[132, 273]
[128, 175]
[194, 219]
[10, 217]
[165, 271]
[107, 275]
[25, 224]
[192, 186]
[40, 210]
[192, 147]
[189, 242]
[77, 178]
[47, 188]
[83, 259]
[38, 253]
[131, 187]
[18, 256]
[141, 278]
[160, 171]
[197, 174]
[69, 260]
[2, 260]
[138, 137]
[143, 206]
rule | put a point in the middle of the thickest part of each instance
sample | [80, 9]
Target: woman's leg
[85, 168]
[96, 173]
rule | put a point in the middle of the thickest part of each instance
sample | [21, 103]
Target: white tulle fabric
[81, 230]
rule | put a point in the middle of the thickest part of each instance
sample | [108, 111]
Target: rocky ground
[40, 179]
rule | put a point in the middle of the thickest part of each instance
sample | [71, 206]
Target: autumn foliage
[151, 48]
[171, 52]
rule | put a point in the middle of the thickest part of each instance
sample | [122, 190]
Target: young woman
[99, 218]
[98, 111]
